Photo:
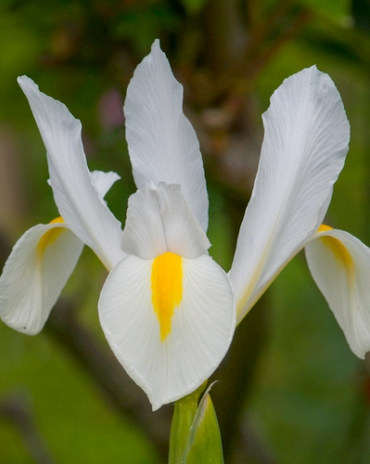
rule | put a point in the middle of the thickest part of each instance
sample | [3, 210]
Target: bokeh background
[290, 390]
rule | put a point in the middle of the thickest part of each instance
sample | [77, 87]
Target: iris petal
[340, 266]
[305, 144]
[76, 197]
[35, 274]
[202, 326]
[159, 220]
[162, 143]
[39, 266]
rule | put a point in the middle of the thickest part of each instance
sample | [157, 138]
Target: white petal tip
[25, 81]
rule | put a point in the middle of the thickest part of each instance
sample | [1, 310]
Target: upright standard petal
[77, 199]
[305, 144]
[340, 266]
[168, 313]
[35, 274]
[162, 143]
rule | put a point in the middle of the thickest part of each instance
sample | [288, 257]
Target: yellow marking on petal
[324, 228]
[340, 252]
[166, 280]
[49, 237]
[57, 220]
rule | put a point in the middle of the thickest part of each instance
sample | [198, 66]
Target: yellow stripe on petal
[340, 252]
[166, 279]
[49, 237]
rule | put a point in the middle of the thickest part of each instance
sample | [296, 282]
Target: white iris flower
[167, 309]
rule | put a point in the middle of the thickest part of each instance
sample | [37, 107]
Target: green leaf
[204, 442]
[183, 417]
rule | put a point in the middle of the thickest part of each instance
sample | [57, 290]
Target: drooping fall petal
[305, 144]
[39, 266]
[162, 143]
[169, 328]
[340, 266]
[168, 311]
[35, 274]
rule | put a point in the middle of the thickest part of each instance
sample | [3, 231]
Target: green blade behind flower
[204, 444]
[183, 417]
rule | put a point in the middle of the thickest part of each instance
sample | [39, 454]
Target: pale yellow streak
[341, 254]
[167, 289]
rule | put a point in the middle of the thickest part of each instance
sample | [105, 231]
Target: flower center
[166, 289]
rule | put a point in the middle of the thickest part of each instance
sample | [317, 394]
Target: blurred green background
[292, 388]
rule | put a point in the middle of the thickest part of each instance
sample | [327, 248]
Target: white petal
[74, 193]
[340, 266]
[35, 274]
[103, 181]
[159, 220]
[306, 140]
[202, 326]
[162, 143]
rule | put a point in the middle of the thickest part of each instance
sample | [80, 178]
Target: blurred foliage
[305, 398]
